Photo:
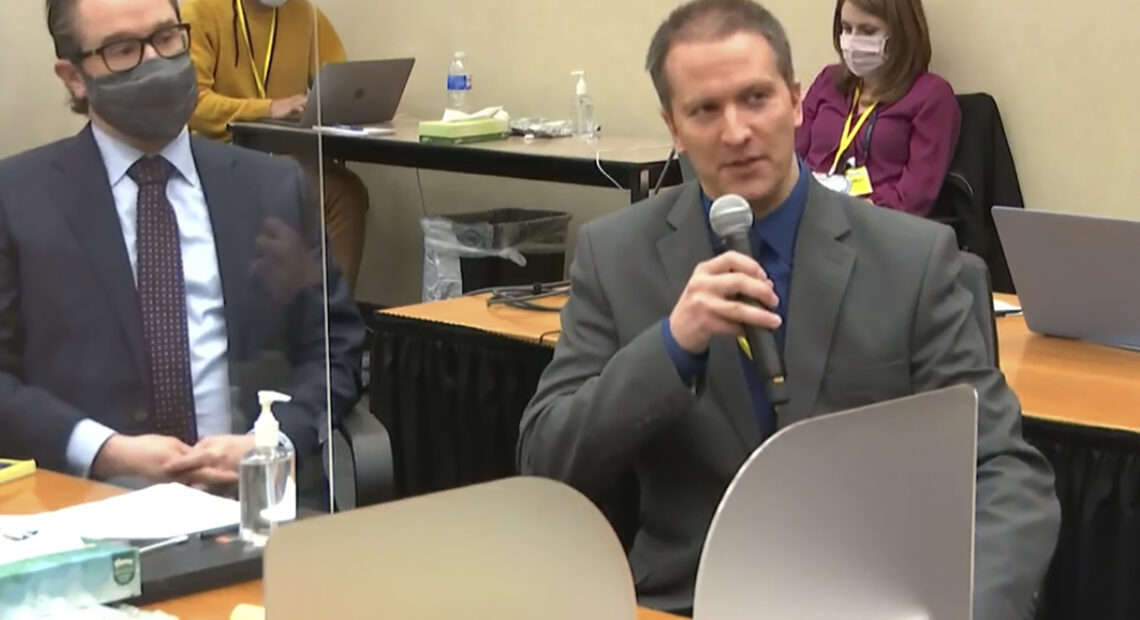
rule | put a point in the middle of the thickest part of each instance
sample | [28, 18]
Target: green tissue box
[94, 575]
[463, 132]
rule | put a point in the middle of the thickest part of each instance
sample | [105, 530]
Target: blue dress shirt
[773, 240]
[205, 305]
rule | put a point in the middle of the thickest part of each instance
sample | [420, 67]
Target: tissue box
[463, 132]
[96, 574]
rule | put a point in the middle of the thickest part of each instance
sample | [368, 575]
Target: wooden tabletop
[1067, 380]
[1056, 379]
[47, 490]
[473, 312]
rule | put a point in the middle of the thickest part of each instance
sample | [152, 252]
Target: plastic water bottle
[458, 83]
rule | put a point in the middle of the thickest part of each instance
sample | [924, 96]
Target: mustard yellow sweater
[227, 90]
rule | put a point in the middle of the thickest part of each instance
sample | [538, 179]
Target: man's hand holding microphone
[732, 295]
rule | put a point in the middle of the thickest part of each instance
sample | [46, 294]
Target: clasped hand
[211, 463]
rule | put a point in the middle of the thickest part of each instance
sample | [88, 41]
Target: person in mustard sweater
[255, 59]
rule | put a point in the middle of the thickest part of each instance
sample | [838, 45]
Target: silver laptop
[1074, 274]
[519, 548]
[361, 92]
[866, 514]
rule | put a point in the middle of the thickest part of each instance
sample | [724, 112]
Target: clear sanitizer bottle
[267, 488]
[585, 125]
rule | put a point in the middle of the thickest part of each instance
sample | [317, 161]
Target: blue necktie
[765, 416]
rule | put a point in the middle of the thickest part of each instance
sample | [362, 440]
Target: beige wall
[33, 103]
[1060, 76]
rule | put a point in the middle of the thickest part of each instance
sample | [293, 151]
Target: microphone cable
[525, 296]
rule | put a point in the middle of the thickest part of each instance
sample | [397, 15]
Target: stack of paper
[157, 512]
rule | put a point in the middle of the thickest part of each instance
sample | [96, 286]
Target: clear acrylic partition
[292, 326]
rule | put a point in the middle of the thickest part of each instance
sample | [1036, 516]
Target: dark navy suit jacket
[71, 343]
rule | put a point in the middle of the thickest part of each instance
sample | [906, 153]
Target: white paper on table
[156, 512]
[36, 545]
[1002, 308]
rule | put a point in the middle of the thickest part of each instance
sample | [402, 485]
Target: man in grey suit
[648, 377]
[151, 282]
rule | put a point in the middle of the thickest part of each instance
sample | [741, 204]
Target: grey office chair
[975, 276]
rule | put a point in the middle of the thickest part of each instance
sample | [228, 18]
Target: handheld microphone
[731, 219]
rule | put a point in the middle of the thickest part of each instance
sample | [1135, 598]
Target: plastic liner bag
[542, 128]
[509, 234]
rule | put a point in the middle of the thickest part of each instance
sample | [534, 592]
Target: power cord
[420, 185]
[544, 335]
[664, 170]
[660, 178]
[524, 296]
[598, 163]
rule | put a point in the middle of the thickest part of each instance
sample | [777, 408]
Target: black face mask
[150, 103]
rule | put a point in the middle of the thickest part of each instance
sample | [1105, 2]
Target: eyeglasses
[121, 56]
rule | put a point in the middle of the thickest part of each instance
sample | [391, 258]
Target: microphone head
[730, 215]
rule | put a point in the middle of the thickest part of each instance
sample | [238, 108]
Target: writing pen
[169, 542]
[178, 540]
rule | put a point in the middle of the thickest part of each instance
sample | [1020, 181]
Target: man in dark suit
[151, 283]
[647, 375]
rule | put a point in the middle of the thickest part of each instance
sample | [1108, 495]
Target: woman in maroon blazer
[880, 125]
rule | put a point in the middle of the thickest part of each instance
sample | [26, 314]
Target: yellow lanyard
[261, 78]
[850, 133]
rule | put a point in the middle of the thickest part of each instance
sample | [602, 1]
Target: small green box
[94, 575]
[463, 132]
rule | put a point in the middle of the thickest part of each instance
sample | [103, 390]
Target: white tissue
[495, 112]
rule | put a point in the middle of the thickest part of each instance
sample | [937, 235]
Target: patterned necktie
[162, 298]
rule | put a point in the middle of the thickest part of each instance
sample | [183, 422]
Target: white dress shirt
[205, 305]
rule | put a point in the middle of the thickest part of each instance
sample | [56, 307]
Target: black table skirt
[452, 397]
[1096, 570]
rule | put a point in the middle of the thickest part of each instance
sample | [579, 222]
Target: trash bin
[501, 247]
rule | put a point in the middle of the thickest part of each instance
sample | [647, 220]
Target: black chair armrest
[362, 458]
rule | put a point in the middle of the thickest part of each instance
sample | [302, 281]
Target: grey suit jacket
[875, 312]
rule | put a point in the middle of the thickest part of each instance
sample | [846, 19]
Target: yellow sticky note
[860, 181]
[14, 470]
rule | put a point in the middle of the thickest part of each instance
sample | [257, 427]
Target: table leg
[638, 185]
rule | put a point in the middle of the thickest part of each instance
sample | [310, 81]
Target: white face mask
[863, 54]
[273, 3]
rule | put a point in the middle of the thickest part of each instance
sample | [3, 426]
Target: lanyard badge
[260, 78]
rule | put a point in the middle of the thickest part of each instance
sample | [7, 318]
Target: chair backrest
[975, 276]
[957, 204]
[982, 174]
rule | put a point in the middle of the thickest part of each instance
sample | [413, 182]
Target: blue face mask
[150, 103]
